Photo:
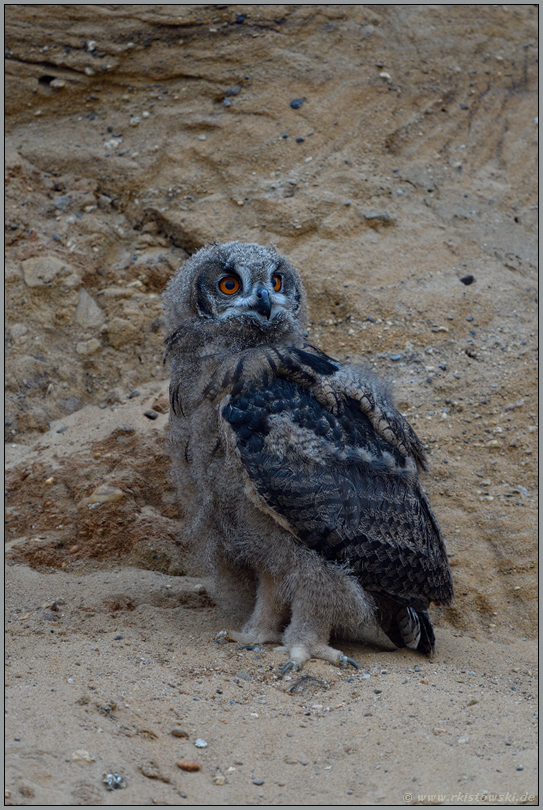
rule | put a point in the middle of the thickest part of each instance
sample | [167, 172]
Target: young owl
[297, 475]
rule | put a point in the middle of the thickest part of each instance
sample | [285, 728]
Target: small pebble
[258, 781]
[81, 755]
[244, 675]
[467, 280]
[300, 140]
[220, 779]
[188, 765]
[179, 732]
[520, 767]
[200, 743]
[114, 781]
[151, 414]
[297, 103]
[135, 121]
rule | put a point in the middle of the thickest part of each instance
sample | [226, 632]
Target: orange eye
[277, 282]
[229, 285]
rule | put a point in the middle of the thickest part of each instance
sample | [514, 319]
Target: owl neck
[204, 338]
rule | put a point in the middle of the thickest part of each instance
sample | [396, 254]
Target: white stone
[18, 330]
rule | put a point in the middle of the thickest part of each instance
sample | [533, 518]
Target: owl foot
[301, 653]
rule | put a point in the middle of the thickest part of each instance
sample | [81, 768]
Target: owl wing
[332, 385]
[341, 489]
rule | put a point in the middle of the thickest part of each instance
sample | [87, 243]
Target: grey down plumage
[297, 475]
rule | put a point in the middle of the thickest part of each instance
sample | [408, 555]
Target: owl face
[245, 282]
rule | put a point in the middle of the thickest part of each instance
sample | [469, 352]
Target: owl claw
[222, 637]
[344, 662]
[290, 665]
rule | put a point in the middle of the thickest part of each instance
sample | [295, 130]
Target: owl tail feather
[405, 626]
[416, 630]
[409, 626]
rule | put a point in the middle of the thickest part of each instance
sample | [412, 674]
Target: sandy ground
[410, 164]
[98, 684]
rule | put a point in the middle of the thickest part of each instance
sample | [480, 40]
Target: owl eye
[229, 285]
[277, 282]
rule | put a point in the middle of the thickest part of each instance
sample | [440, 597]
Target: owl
[297, 475]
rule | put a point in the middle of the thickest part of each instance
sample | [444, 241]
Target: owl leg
[267, 619]
[323, 598]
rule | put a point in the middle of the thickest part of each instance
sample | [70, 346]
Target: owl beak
[263, 302]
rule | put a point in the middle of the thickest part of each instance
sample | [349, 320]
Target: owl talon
[290, 665]
[222, 637]
[344, 662]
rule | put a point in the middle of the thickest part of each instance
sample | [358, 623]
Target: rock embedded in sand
[103, 494]
[81, 755]
[88, 313]
[88, 347]
[179, 732]
[46, 271]
[121, 332]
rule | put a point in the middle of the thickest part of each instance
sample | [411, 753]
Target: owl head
[240, 288]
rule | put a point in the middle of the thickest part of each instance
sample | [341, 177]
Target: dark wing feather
[332, 385]
[344, 491]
